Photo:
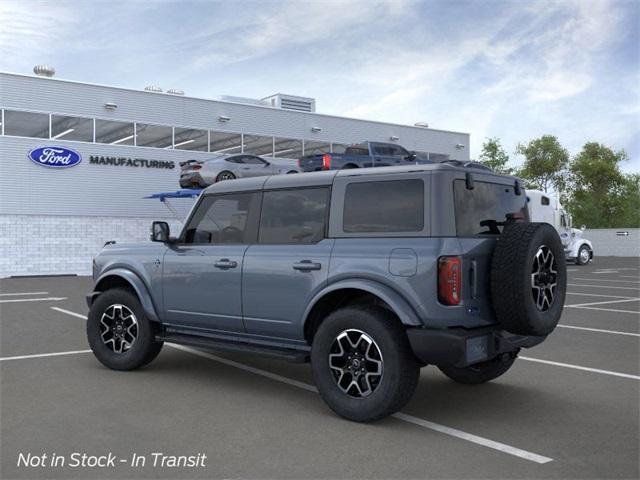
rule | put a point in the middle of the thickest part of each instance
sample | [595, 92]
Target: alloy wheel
[118, 328]
[544, 278]
[356, 363]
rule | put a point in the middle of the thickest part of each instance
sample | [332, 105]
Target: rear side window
[356, 151]
[295, 216]
[385, 206]
[482, 211]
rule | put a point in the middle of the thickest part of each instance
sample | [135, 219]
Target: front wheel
[584, 255]
[119, 333]
[362, 363]
[481, 372]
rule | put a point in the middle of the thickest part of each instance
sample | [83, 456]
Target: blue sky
[515, 70]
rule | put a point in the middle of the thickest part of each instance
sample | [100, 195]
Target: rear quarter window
[481, 211]
[384, 206]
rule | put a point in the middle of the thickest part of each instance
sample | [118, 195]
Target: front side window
[385, 206]
[483, 210]
[295, 216]
[222, 219]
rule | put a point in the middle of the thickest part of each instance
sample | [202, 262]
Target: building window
[26, 124]
[157, 136]
[287, 148]
[225, 142]
[71, 128]
[401, 211]
[190, 139]
[316, 148]
[294, 216]
[114, 133]
[258, 145]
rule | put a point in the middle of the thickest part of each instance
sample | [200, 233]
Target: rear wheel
[584, 255]
[362, 363]
[119, 333]
[481, 372]
[225, 175]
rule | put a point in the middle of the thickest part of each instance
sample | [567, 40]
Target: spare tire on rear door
[528, 278]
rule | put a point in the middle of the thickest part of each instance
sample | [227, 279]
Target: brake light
[326, 162]
[449, 280]
[299, 163]
[196, 167]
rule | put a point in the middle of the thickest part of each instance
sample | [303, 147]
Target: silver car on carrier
[202, 173]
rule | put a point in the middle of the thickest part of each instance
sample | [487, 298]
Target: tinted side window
[253, 160]
[293, 216]
[223, 219]
[387, 206]
[479, 211]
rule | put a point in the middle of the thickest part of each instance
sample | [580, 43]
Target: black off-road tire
[481, 372]
[400, 370]
[512, 266]
[145, 347]
[579, 260]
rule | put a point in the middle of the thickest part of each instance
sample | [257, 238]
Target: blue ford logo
[55, 157]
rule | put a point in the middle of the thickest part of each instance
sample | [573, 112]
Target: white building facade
[129, 144]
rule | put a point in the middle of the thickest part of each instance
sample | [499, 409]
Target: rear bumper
[190, 180]
[460, 347]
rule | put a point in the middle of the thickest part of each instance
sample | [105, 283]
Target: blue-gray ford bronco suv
[369, 274]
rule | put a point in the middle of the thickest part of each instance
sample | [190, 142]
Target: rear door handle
[225, 263]
[306, 265]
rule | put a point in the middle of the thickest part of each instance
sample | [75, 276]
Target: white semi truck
[546, 208]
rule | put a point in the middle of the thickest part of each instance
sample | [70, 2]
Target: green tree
[545, 163]
[600, 195]
[494, 156]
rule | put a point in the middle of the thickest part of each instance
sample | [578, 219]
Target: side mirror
[412, 156]
[160, 232]
[583, 228]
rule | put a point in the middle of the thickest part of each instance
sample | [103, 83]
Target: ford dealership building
[77, 160]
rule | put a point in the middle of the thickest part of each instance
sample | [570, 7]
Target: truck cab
[548, 209]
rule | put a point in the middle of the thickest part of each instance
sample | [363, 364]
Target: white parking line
[533, 457]
[604, 286]
[68, 312]
[517, 452]
[23, 293]
[469, 437]
[47, 299]
[605, 272]
[633, 312]
[599, 330]
[606, 280]
[604, 302]
[41, 355]
[578, 367]
[628, 276]
[596, 295]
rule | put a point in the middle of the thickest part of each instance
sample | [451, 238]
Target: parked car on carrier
[202, 173]
[362, 155]
[369, 274]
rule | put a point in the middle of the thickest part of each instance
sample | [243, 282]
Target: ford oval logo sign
[55, 157]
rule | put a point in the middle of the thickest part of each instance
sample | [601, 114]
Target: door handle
[225, 263]
[306, 265]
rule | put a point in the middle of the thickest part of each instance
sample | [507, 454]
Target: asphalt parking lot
[567, 409]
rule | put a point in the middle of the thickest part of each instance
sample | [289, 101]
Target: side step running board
[215, 344]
